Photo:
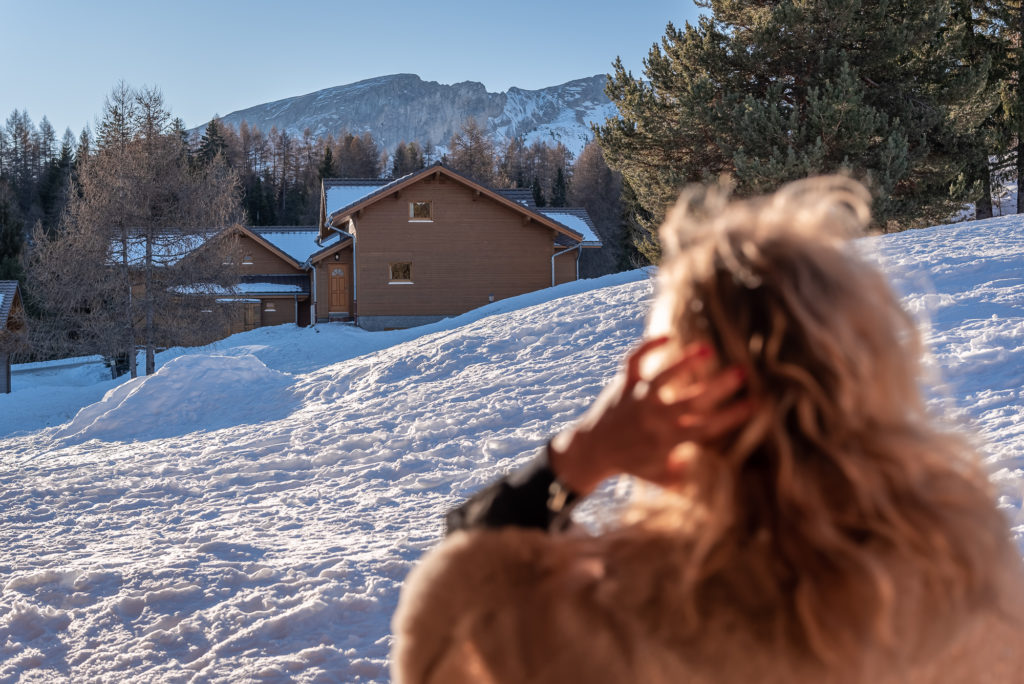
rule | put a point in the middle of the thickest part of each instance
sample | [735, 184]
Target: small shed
[12, 328]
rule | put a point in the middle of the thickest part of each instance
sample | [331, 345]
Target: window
[421, 211]
[269, 306]
[247, 260]
[400, 272]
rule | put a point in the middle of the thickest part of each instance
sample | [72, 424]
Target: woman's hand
[636, 426]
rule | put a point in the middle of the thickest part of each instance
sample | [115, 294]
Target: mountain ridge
[403, 107]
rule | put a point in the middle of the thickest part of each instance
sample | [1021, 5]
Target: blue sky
[61, 57]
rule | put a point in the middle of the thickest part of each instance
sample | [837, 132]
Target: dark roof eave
[319, 254]
[269, 294]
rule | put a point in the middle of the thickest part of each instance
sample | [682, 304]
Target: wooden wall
[565, 266]
[263, 260]
[473, 248]
[283, 310]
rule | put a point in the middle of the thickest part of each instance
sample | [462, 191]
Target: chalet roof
[298, 242]
[8, 289]
[522, 196]
[342, 192]
[365, 193]
[251, 285]
[336, 238]
[167, 248]
[273, 285]
[577, 219]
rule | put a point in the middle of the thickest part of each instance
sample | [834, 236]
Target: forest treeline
[279, 174]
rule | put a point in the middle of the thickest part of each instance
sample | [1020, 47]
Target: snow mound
[189, 393]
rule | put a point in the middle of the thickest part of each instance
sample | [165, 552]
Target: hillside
[403, 107]
[250, 511]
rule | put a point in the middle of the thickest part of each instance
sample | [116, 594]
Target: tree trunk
[1020, 171]
[133, 366]
[983, 207]
[1018, 95]
[150, 333]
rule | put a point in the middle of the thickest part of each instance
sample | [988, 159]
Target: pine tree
[768, 93]
[987, 38]
[538, 193]
[117, 127]
[398, 161]
[53, 187]
[407, 159]
[1008, 16]
[179, 131]
[559, 189]
[326, 168]
[212, 143]
[12, 238]
[22, 168]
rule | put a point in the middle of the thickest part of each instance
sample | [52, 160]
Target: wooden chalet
[12, 326]
[394, 254]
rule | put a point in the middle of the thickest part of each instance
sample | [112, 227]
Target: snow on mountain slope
[169, 534]
[403, 108]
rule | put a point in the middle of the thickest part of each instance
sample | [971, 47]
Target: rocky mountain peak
[404, 107]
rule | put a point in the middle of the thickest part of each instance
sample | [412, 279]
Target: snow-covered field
[248, 513]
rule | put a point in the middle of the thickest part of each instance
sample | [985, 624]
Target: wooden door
[251, 316]
[338, 300]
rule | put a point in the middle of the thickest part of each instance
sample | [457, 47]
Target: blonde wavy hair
[842, 501]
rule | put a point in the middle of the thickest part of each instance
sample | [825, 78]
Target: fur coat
[517, 605]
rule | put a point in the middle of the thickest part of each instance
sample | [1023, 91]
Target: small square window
[247, 260]
[400, 272]
[421, 211]
[269, 307]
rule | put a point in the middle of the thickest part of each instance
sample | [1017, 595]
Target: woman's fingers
[704, 397]
[693, 357]
[634, 360]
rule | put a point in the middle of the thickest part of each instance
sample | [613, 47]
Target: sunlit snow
[250, 511]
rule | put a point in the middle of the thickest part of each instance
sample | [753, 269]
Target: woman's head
[774, 285]
[841, 475]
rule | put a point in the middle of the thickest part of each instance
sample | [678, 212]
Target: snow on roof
[575, 220]
[298, 242]
[331, 240]
[263, 287]
[250, 285]
[167, 248]
[342, 193]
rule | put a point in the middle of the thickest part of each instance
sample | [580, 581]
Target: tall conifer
[771, 92]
